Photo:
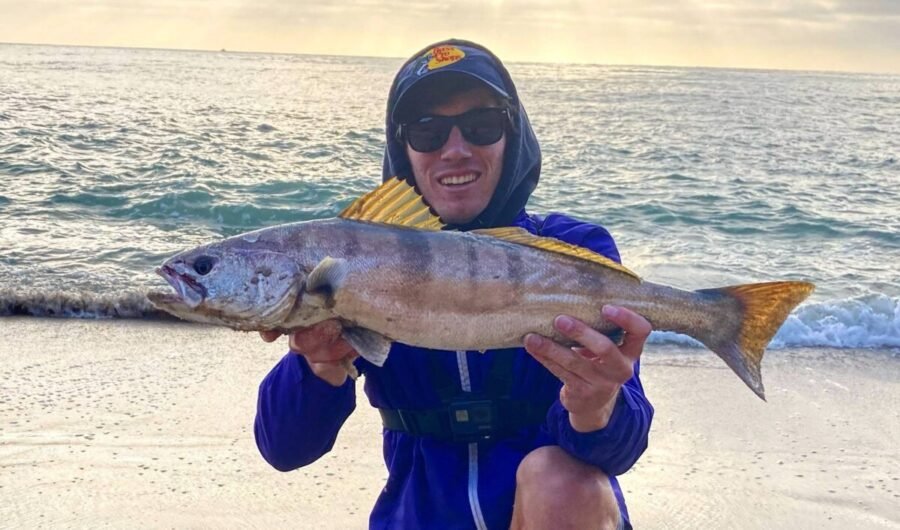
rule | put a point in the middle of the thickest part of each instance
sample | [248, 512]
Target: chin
[459, 214]
[454, 220]
[458, 219]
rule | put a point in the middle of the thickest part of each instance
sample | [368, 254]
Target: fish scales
[445, 302]
[450, 290]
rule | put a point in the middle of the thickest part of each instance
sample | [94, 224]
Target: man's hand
[593, 373]
[326, 351]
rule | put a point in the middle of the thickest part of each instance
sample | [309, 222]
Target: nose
[456, 147]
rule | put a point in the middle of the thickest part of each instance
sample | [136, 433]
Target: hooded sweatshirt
[522, 156]
[436, 483]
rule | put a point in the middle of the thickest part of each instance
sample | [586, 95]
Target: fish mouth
[187, 290]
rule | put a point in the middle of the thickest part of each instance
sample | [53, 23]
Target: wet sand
[118, 423]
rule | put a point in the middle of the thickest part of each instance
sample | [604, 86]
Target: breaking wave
[79, 304]
[867, 322]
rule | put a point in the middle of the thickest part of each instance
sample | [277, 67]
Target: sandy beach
[126, 423]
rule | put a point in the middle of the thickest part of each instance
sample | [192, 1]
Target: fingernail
[564, 323]
[610, 311]
[533, 341]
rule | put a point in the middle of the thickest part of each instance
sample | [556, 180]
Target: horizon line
[573, 63]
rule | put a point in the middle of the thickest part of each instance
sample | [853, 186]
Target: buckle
[472, 420]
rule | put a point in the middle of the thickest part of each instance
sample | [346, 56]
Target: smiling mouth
[458, 180]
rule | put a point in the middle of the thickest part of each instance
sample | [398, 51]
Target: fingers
[558, 359]
[581, 333]
[321, 342]
[586, 353]
[588, 382]
[636, 328]
[600, 357]
[593, 371]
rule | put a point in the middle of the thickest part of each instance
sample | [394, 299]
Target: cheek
[417, 161]
[420, 163]
[225, 288]
[494, 158]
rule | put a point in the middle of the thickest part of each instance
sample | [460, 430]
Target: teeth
[457, 180]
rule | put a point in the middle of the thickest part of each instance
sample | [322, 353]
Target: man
[521, 438]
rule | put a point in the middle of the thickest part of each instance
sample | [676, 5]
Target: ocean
[113, 159]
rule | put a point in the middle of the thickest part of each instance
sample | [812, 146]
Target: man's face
[459, 178]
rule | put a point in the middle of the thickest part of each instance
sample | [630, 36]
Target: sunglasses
[483, 126]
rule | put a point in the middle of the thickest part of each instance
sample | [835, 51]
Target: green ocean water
[113, 159]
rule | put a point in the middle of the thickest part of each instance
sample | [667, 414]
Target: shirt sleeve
[298, 415]
[616, 447]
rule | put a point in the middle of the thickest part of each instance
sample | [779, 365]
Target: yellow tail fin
[761, 308]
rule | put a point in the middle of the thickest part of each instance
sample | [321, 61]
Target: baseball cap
[444, 60]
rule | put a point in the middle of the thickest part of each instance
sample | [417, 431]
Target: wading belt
[466, 421]
[469, 417]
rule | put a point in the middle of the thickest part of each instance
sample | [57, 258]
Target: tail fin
[761, 309]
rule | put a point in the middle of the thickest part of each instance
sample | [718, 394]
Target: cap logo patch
[441, 56]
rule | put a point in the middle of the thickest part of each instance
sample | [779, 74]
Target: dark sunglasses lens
[478, 127]
[428, 135]
[483, 127]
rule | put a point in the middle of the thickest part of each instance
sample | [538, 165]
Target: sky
[837, 35]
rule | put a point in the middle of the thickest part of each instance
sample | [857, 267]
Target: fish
[386, 268]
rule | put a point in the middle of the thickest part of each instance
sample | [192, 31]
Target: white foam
[867, 322]
[669, 337]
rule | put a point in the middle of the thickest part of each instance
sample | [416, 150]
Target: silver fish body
[449, 290]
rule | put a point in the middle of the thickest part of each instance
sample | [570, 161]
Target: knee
[551, 474]
[538, 465]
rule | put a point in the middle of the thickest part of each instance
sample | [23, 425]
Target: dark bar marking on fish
[514, 269]
[472, 283]
[351, 246]
[471, 259]
[415, 248]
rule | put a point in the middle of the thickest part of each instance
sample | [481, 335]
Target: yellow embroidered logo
[443, 55]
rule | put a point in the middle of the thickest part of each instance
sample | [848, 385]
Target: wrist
[594, 420]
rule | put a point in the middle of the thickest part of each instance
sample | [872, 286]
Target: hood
[522, 157]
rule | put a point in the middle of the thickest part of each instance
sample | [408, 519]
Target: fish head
[240, 286]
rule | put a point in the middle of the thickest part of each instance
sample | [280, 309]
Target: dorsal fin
[397, 203]
[515, 234]
[394, 203]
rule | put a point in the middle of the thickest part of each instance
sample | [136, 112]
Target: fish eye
[204, 264]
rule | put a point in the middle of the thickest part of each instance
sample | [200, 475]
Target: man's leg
[556, 491]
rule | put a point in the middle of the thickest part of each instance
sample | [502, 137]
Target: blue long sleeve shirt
[441, 484]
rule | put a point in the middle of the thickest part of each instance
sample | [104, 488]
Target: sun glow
[794, 34]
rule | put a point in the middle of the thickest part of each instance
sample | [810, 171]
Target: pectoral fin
[372, 346]
[328, 276]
